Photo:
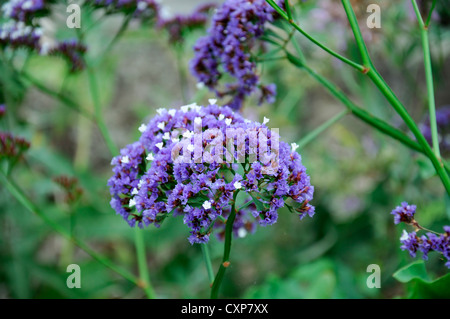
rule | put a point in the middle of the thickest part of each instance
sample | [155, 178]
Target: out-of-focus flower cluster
[72, 51]
[70, 185]
[25, 10]
[22, 30]
[191, 162]
[138, 8]
[11, 147]
[425, 243]
[443, 124]
[227, 49]
[179, 25]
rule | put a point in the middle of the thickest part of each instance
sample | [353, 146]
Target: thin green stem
[362, 114]
[433, 5]
[98, 113]
[57, 95]
[122, 29]
[144, 281]
[317, 131]
[384, 88]
[358, 35]
[316, 42]
[429, 80]
[288, 9]
[26, 202]
[208, 264]
[226, 252]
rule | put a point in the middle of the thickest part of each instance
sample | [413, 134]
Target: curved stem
[98, 113]
[144, 281]
[384, 88]
[316, 42]
[227, 248]
[429, 80]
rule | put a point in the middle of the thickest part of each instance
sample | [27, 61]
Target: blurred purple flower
[235, 28]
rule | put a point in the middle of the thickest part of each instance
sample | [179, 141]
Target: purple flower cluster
[72, 51]
[404, 213]
[24, 10]
[426, 243]
[138, 8]
[15, 34]
[443, 124]
[178, 25]
[236, 26]
[182, 165]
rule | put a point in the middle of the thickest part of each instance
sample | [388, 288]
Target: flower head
[197, 174]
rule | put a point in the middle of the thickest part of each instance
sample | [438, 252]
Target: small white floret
[142, 128]
[237, 185]
[207, 205]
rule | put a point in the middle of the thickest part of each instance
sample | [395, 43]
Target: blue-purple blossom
[430, 242]
[404, 213]
[138, 8]
[426, 243]
[16, 34]
[192, 161]
[25, 10]
[227, 49]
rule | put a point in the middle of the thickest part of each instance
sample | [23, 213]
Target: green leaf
[419, 283]
[415, 270]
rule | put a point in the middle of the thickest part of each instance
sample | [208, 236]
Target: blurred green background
[359, 174]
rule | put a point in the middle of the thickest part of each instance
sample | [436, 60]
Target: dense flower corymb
[192, 161]
[236, 26]
[426, 243]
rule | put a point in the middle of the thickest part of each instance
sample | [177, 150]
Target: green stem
[433, 5]
[316, 42]
[144, 282]
[429, 80]
[226, 252]
[23, 199]
[57, 95]
[98, 113]
[317, 131]
[208, 264]
[384, 88]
